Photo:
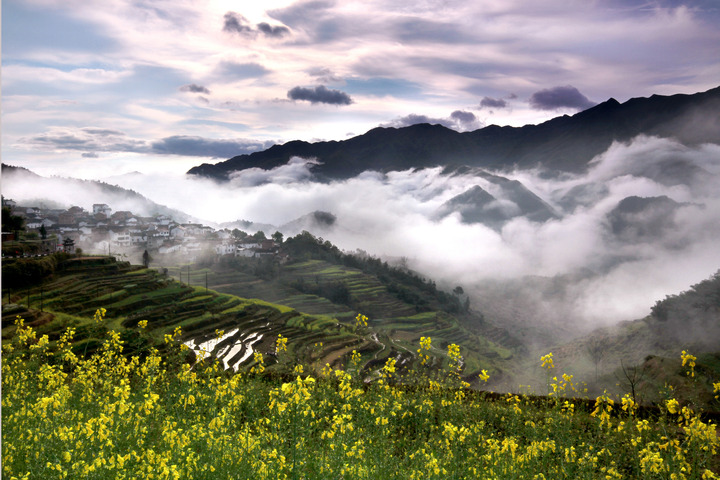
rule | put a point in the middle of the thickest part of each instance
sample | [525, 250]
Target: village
[103, 231]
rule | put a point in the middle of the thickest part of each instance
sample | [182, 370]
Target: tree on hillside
[259, 236]
[10, 222]
[238, 234]
[43, 232]
[634, 376]
[277, 237]
[146, 259]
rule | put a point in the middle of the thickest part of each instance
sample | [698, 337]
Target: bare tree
[633, 375]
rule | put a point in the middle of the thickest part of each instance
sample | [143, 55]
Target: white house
[170, 248]
[137, 237]
[163, 220]
[241, 251]
[120, 238]
[178, 232]
[101, 208]
[225, 249]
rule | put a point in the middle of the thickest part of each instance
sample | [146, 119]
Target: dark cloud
[414, 119]
[489, 102]
[92, 140]
[206, 147]
[193, 88]
[560, 97]
[320, 94]
[236, 23]
[464, 117]
[276, 31]
[87, 139]
[459, 120]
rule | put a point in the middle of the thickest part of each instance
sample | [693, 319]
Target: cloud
[320, 94]
[206, 147]
[276, 31]
[459, 120]
[414, 119]
[324, 74]
[567, 274]
[88, 139]
[560, 97]
[92, 140]
[193, 88]
[489, 102]
[465, 120]
[236, 23]
[296, 170]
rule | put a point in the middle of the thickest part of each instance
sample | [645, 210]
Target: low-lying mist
[534, 249]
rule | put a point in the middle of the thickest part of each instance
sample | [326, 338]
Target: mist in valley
[548, 256]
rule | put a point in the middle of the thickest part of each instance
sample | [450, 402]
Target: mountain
[317, 222]
[687, 321]
[637, 219]
[512, 199]
[563, 144]
[23, 185]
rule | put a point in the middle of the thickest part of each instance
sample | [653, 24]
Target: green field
[255, 310]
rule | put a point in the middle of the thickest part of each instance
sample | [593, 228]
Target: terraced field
[395, 325]
[250, 311]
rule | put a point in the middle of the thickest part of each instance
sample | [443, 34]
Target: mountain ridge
[565, 143]
[121, 198]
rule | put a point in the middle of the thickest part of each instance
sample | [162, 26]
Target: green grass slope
[318, 330]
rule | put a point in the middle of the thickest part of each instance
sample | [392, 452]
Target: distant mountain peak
[562, 144]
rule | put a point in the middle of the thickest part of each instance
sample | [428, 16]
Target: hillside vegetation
[249, 310]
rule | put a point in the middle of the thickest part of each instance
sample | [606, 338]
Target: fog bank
[641, 223]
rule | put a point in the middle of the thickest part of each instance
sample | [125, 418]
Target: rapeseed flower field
[152, 416]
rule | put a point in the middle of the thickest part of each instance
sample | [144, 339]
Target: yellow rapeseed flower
[547, 361]
[690, 361]
[281, 344]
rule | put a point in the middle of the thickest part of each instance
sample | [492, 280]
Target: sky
[93, 88]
